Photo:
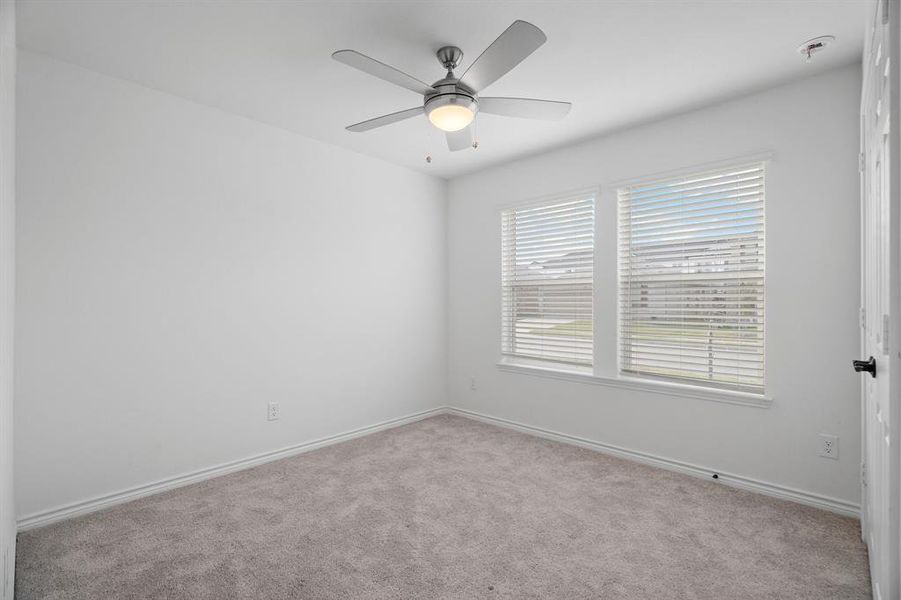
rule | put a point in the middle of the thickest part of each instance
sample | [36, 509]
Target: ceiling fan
[451, 103]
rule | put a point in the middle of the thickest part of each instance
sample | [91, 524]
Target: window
[691, 279]
[547, 279]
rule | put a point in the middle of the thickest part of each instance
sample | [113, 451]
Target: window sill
[585, 375]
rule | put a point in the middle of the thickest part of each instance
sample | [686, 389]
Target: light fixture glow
[451, 117]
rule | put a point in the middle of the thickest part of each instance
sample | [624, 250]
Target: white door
[880, 291]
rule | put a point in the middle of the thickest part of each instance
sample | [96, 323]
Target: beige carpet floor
[448, 508]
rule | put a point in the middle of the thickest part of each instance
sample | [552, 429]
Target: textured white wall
[811, 127]
[7, 290]
[180, 267]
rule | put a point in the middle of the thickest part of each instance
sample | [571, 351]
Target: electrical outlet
[829, 446]
[472, 383]
[274, 411]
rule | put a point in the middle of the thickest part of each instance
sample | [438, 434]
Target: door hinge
[885, 329]
[861, 162]
[863, 474]
[862, 317]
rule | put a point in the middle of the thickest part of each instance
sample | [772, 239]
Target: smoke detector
[814, 46]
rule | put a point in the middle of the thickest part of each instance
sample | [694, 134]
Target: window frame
[621, 338]
[605, 369]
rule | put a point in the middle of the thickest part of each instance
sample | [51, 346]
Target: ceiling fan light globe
[451, 117]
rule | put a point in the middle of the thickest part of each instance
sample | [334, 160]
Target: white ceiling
[618, 62]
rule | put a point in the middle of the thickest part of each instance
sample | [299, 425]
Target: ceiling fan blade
[385, 120]
[526, 108]
[515, 44]
[459, 140]
[378, 69]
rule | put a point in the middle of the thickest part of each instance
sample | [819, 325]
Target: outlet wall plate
[274, 411]
[828, 446]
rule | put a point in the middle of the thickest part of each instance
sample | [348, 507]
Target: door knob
[865, 365]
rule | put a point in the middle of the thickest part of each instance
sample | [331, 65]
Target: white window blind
[547, 277]
[691, 278]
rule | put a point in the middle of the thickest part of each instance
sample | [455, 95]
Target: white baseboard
[84, 507]
[746, 483]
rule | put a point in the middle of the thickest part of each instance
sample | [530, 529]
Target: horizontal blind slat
[677, 200]
[688, 186]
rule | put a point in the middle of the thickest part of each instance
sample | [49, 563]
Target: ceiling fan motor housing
[451, 94]
[449, 91]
